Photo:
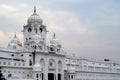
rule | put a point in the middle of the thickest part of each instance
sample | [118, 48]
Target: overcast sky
[89, 28]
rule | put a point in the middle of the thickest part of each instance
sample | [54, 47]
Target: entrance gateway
[51, 76]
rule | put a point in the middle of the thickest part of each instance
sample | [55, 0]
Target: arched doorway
[51, 69]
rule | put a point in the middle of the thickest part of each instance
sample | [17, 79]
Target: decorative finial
[54, 36]
[34, 9]
[15, 35]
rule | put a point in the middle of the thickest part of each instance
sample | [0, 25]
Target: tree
[1, 76]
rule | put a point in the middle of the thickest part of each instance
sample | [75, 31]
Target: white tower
[35, 33]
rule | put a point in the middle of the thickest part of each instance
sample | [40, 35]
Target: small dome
[34, 18]
[55, 41]
[15, 40]
[37, 67]
[15, 43]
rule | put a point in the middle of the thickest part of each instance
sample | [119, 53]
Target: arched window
[42, 62]
[41, 29]
[60, 66]
[30, 62]
[72, 76]
[52, 63]
[36, 75]
[29, 29]
[51, 49]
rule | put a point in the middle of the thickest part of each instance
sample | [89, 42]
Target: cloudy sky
[89, 28]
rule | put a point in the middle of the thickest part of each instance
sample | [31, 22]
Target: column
[46, 70]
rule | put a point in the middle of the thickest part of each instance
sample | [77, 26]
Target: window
[50, 63]
[51, 49]
[15, 64]
[29, 38]
[23, 64]
[8, 63]
[9, 75]
[69, 76]
[30, 63]
[19, 64]
[36, 75]
[4, 63]
[8, 71]
[21, 54]
[41, 30]
[30, 55]
[28, 75]
[114, 64]
[72, 76]
[29, 29]
[12, 55]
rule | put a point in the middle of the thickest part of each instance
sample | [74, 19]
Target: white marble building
[38, 60]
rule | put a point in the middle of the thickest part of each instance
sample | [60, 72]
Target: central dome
[34, 18]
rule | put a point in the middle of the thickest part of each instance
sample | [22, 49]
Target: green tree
[1, 76]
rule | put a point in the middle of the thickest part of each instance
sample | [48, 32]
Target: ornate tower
[35, 33]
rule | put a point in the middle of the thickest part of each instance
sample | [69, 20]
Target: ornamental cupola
[15, 40]
[34, 18]
[15, 43]
[54, 41]
[55, 45]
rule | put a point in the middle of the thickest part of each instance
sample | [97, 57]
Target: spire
[54, 36]
[34, 9]
[15, 35]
